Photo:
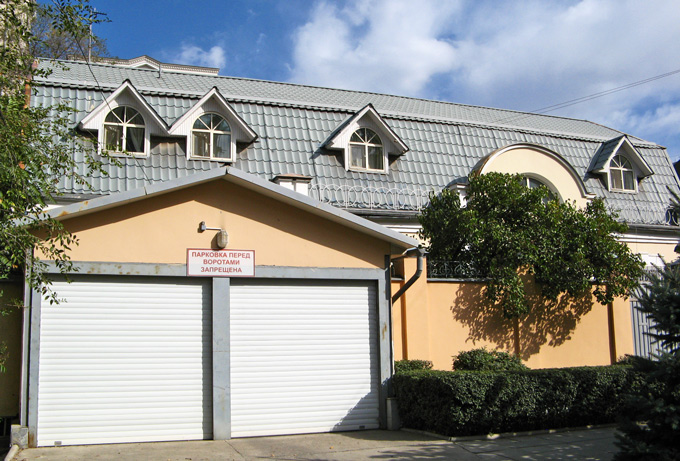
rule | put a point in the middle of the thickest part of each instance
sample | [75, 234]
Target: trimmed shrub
[485, 360]
[403, 366]
[456, 403]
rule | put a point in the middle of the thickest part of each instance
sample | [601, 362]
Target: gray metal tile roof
[445, 140]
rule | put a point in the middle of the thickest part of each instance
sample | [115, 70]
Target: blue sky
[521, 55]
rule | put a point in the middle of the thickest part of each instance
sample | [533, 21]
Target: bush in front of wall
[456, 403]
[402, 366]
[485, 360]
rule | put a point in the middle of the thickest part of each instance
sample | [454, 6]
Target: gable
[619, 146]
[284, 228]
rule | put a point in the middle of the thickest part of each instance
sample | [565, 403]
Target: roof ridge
[344, 90]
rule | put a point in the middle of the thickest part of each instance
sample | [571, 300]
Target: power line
[544, 110]
[590, 97]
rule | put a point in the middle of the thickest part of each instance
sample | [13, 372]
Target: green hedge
[455, 403]
[403, 366]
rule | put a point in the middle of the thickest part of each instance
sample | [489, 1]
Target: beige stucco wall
[540, 165]
[441, 319]
[160, 229]
[665, 250]
[10, 333]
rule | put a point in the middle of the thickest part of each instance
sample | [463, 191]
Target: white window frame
[366, 146]
[211, 132]
[124, 125]
[621, 170]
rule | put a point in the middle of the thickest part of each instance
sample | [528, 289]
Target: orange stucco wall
[437, 320]
[160, 229]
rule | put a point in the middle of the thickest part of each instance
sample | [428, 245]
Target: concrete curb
[507, 435]
[12, 453]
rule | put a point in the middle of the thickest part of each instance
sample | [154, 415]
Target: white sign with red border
[220, 263]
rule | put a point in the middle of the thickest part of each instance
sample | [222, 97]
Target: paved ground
[591, 444]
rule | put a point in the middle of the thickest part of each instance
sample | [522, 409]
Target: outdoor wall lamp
[222, 236]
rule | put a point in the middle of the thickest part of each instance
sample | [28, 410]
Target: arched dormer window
[211, 137]
[621, 174]
[366, 150]
[124, 131]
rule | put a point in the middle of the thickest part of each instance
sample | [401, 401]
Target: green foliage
[650, 422]
[36, 148]
[507, 229]
[59, 43]
[404, 366]
[485, 360]
[455, 403]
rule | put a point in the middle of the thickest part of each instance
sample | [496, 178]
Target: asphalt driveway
[586, 444]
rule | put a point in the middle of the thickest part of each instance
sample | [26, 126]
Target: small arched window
[621, 174]
[124, 130]
[211, 137]
[533, 183]
[366, 150]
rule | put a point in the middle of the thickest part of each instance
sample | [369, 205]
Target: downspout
[420, 254]
[393, 420]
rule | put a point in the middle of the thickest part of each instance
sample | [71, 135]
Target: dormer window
[366, 151]
[366, 141]
[621, 174]
[124, 131]
[211, 137]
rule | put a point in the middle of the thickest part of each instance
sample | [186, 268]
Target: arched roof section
[540, 163]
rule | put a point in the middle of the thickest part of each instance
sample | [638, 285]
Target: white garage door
[304, 357]
[125, 359]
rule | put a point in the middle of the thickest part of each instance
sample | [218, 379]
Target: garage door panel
[125, 360]
[303, 357]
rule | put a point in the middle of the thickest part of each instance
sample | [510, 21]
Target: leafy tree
[506, 230]
[36, 147]
[52, 40]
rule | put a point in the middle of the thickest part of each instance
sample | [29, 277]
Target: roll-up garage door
[304, 357]
[125, 359]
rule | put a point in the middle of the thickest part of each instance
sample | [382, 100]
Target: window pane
[375, 158]
[203, 122]
[201, 147]
[223, 126]
[134, 117]
[357, 157]
[374, 138]
[222, 148]
[113, 137]
[617, 182]
[135, 139]
[628, 180]
[355, 137]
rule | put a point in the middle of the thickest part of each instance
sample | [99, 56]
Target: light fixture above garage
[222, 236]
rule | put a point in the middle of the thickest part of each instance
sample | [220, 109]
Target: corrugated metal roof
[445, 140]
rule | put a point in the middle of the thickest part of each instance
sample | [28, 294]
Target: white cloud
[196, 56]
[385, 46]
[522, 55]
